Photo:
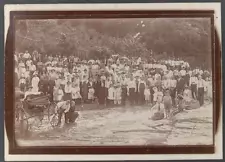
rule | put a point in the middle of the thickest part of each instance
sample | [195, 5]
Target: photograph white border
[113, 7]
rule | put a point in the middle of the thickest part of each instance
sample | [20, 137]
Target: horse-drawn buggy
[34, 110]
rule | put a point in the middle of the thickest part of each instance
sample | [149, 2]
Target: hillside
[164, 38]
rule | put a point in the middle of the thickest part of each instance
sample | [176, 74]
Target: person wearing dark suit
[137, 97]
[124, 91]
[141, 89]
[102, 92]
[131, 88]
[180, 85]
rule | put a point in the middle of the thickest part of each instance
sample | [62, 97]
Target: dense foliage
[188, 39]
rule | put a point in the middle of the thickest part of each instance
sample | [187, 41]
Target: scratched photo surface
[98, 82]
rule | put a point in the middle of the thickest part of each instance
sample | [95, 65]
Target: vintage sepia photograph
[113, 82]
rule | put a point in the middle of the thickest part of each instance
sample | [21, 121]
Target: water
[127, 126]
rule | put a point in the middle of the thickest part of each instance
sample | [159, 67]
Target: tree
[186, 38]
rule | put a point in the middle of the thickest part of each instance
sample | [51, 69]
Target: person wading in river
[62, 107]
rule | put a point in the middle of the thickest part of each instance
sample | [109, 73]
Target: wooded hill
[164, 38]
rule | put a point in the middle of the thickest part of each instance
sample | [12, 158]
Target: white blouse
[75, 93]
[193, 80]
[111, 93]
[201, 83]
[131, 84]
[68, 88]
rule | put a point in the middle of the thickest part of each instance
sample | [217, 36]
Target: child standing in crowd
[158, 111]
[147, 95]
[167, 100]
[22, 83]
[91, 92]
[187, 94]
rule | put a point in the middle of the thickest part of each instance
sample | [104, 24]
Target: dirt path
[126, 126]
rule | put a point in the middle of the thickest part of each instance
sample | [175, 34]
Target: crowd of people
[117, 80]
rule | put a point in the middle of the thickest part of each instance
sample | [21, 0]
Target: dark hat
[167, 90]
[180, 96]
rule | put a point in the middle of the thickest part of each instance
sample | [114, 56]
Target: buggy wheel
[18, 106]
[23, 122]
[54, 120]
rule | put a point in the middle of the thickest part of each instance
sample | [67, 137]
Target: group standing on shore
[113, 81]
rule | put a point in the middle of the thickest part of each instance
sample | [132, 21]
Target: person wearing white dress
[58, 94]
[147, 95]
[118, 95]
[35, 82]
[75, 91]
[111, 95]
